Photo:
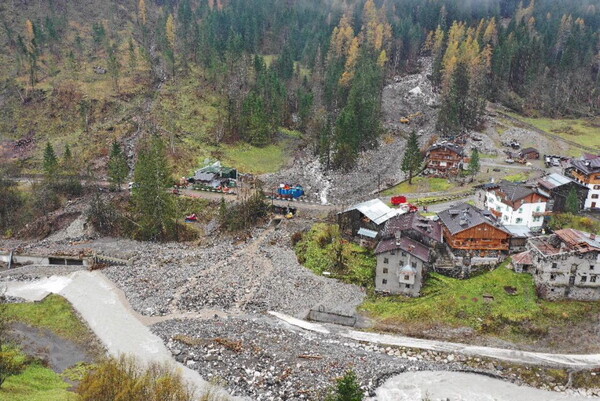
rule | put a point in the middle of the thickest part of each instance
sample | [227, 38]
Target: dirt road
[590, 361]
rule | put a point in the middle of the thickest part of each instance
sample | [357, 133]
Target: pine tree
[572, 202]
[474, 164]
[347, 389]
[114, 66]
[117, 166]
[70, 181]
[153, 205]
[413, 158]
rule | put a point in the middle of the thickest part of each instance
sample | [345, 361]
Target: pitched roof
[463, 216]
[528, 150]
[554, 180]
[523, 258]
[414, 221]
[579, 240]
[513, 191]
[406, 244]
[587, 166]
[377, 211]
[449, 146]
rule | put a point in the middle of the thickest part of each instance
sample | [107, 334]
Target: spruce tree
[474, 164]
[50, 163]
[413, 158]
[153, 205]
[117, 166]
[70, 182]
[347, 389]
[572, 202]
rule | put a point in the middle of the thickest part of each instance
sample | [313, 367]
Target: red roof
[406, 244]
[414, 221]
[523, 258]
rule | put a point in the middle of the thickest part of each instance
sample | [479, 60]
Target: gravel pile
[264, 359]
[255, 276]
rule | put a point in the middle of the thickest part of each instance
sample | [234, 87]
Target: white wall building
[517, 204]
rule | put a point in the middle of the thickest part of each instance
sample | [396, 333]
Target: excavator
[407, 119]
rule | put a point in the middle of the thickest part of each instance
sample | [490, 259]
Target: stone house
[408, 247]
[402, 264]
[565, 265]
[444, 159]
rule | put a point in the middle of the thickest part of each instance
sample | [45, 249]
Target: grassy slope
[453, 302]
[36, 383]
[54, 313]
[317, 251]
[420, 185]
[583, 131]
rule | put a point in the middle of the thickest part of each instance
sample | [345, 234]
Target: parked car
[509, 161]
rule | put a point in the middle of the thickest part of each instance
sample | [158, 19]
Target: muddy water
[60, 354]
[455, 386]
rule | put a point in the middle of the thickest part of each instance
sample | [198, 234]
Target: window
[598, 177]
[520, 210]
[591, 267]
[386, 260]
[537, 209]
[519, 220]
[583, 279]
[407, 285]
[403, 253]
[384, 281]
[385, 270]
[595, 196]
[554, 265]
[536, 218]
[392, 252]
[593, 279]
[552, 277]
[406, 277]
[596, 186]
[414, 264]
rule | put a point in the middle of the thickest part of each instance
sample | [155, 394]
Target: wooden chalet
[559, 187]
[444, 159]
[529, 153]
[467, 228]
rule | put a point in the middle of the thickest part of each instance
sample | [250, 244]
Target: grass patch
[420, 184]
[517, 177]
[251, 159]
[54, 313]
[36, 383]
[567, 220]
[322, 249]
[452, 302]
[582, 131]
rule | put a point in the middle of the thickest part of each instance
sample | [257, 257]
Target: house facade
[566, 265]
[559, 187]
[364, 221]
[402, 264]
[587, 173]
[469, 230]
[444, 159]
[517, 204]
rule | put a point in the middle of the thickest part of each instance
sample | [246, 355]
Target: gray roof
[464, 216]
[377, 211]
[201, 176]
[587, 166]
[367, 233]
[554, 180]
[447, 145]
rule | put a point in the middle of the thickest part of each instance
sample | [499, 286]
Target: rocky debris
[264, 359]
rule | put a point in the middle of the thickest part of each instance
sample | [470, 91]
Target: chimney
[592, 236]
[398, 235]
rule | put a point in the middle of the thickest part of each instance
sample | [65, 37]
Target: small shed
[529, 153]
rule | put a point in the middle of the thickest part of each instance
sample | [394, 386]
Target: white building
[587, 172]
[517, 204]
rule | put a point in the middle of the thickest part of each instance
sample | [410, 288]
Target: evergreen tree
[413, 158]
[474, 164]
[50, 164]
[347, 389]
[69, 178]
[572, 202]
[117, 166]
[153, 205]
[114, 66]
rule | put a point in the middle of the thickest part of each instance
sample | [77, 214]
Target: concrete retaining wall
[331, 317]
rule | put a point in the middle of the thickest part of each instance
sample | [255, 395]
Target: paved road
[590, 361]
[109, 315]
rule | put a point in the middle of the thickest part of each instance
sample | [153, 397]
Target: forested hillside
[209, 72]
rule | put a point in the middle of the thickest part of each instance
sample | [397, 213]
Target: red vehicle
[398, 200]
